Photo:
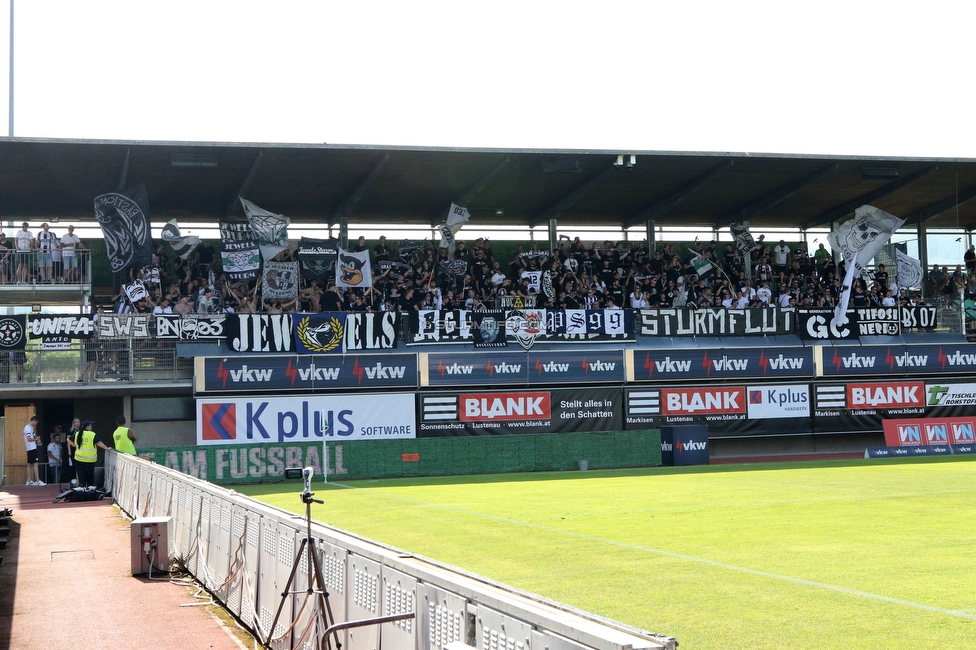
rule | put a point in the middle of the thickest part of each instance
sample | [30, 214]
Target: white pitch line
[965, 614]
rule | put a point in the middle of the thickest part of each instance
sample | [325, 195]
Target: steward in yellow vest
[123, 437]
[86, 453]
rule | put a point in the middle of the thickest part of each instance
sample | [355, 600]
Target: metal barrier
[97, 360]
[242, 551]
[43, 267]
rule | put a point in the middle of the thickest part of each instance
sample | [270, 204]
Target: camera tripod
[322, 612]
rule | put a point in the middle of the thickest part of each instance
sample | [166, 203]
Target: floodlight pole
[10, 93]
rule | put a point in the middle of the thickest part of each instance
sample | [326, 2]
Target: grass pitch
[846, 554]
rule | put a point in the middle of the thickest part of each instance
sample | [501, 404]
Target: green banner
[360, 459]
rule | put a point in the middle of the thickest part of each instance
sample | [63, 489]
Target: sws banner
[305, 372]
[306, 419]
[721, 363]
[767, 321]
[517, 412]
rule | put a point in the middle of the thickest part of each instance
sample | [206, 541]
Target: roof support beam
[838, 212]
[777, 197]
[124, 176]
[235, 201]
[663, 206]
[474, 190]
[573, 197]
[353, 199]
[945, 204]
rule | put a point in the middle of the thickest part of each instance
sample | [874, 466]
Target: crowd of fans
[418, 276]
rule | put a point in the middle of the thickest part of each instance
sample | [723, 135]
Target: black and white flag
[239, 254]
[182, 246]
[860, 239]
[270, 229]
[124, 218]
[135, 291]
[280, 280]
[318, 257]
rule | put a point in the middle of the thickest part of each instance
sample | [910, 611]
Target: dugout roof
[199, 183]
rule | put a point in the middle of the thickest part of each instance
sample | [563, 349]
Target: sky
[846, 78]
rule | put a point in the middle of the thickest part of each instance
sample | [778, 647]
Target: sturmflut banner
[715, 322]
[306, 419]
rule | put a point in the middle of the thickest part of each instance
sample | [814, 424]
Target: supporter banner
[719, 363]
[303, 419]
[306, 372]
[124, 218]
[319, 333]
[715, 322]
[63, 327]
[240, 256]
[878, 321]
[123, 326]
[280, 280]
[549, 326]
[898, 359]
[372, 331]
[576, 367]
[488, 329]
[190, 327]
[930, 431]
[476, 369]
[515, 412]
[918, 318]
[816, 324]
[318, 258]
[13, 332]
[259, 332]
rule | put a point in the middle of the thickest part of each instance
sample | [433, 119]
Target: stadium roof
[199, 183]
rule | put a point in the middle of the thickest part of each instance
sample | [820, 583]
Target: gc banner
[816, 324]
[515, 412]
[305, 419]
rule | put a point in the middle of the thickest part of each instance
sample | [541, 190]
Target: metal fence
[246, 554]
[95, 361]
[41, 267]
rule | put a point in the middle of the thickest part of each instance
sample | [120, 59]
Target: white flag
[456, 218]
[859, 240]
[353, 270]
[270, 229]
[909, 271]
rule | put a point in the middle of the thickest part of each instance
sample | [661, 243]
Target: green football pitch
[846, 554]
